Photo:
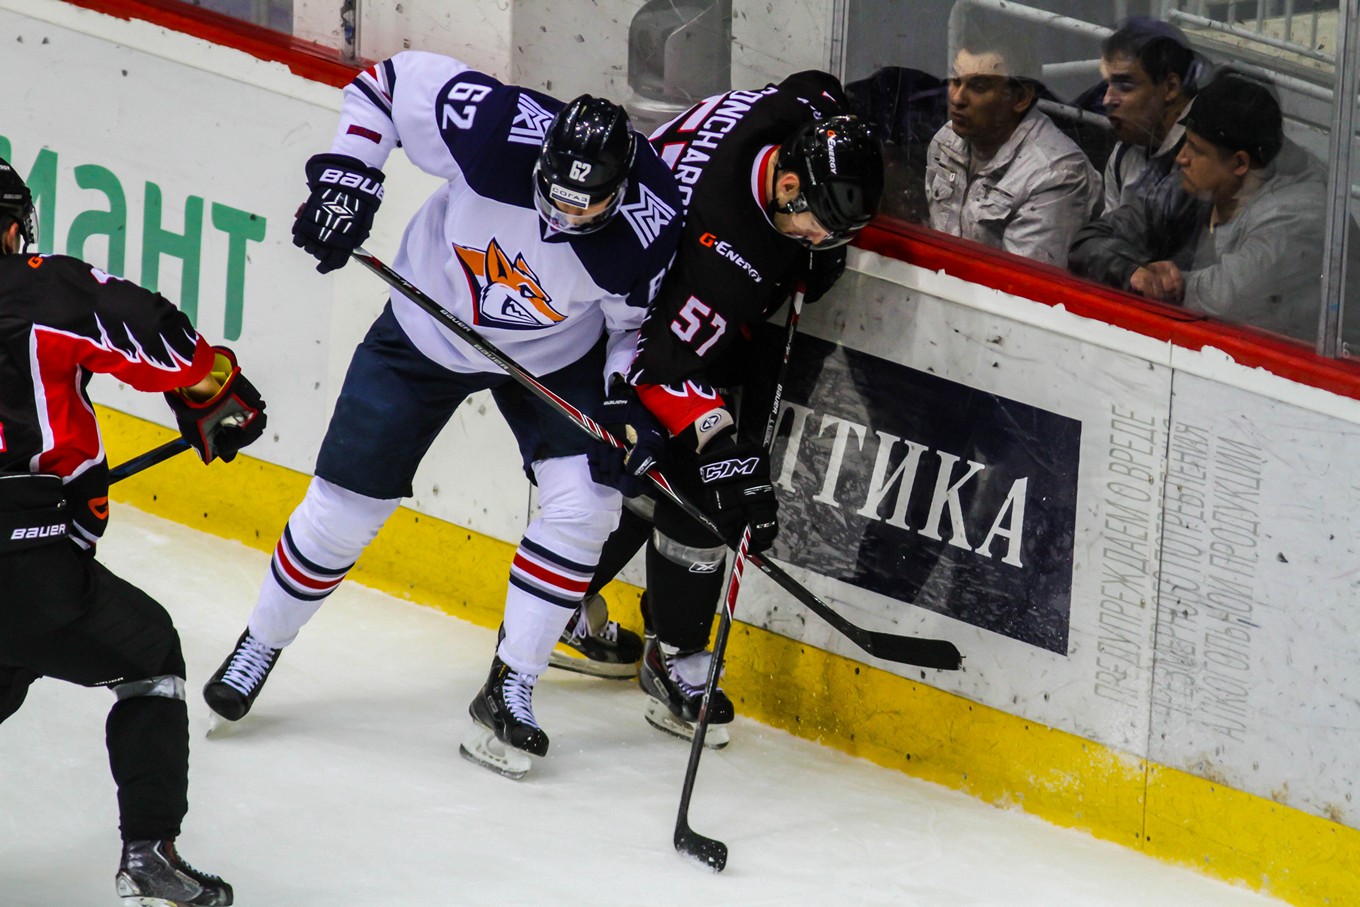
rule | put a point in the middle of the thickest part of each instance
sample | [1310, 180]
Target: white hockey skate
[674, 684]
[594, 645]
[504, 733]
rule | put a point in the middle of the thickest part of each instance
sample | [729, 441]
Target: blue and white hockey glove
[624, 417]
[338, 215]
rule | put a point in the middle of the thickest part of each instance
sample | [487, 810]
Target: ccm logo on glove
[726, 469]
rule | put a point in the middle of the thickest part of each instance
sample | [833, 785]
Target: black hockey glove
[824, 269]
[337, 217]
[623, 416]
[736, 479]
[232, 419]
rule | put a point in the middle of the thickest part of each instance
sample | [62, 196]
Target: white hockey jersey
[479, 247]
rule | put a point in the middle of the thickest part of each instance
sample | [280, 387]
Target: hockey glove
[624, 417]
[233, 418]
[337, 217]
[736, 480]
[824, 269]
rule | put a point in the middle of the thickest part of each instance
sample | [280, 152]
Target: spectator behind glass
[1000, 172]
[1150, 74]
[1253, 250]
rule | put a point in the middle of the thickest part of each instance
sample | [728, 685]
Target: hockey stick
[147, 460]
[687, 840]
[926, 653]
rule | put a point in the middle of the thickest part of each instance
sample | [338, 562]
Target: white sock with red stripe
[324, 537]
[556, 560]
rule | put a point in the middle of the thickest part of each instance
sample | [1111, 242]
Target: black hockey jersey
[61, 321]
[733, 267]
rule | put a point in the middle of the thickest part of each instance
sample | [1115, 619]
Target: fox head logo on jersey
[505, 294]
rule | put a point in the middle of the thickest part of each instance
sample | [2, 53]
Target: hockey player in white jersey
[550, 236]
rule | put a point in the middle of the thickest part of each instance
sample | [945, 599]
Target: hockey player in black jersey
[63, 614]
[775, 183]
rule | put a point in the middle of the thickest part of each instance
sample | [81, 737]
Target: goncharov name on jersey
[700, 132]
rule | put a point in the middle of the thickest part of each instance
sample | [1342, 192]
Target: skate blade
[481, 747]
[660, 717]
[217, 725]
[152, 902]
[579, 664]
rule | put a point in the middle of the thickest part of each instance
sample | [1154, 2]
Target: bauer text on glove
[338, 215]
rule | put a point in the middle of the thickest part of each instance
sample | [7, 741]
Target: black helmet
[16, 203]
[585, 160]
[839, 164]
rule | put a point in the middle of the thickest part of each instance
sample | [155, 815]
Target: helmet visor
[28, 227]
[27, 221]
[566, 210]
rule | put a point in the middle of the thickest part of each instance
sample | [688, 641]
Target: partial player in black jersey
[63, 613]
[775, 183]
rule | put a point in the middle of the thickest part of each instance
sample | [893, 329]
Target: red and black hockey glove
[338, 215]
[625, 417]
[736, 479]
[233, 418]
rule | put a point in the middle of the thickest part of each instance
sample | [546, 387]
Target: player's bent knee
[339, 520]
[572, 506]
[693, 558]
[166, 686]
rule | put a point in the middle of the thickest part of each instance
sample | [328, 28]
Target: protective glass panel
[1032, 151]
[272, 14]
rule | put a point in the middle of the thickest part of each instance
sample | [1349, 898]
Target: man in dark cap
[1251, 250]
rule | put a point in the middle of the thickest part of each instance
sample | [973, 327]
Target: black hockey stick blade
[940, 654]
[147, 460]
[709, 851]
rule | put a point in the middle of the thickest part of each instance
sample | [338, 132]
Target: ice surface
[344, 786]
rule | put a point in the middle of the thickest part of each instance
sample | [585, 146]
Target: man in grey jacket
[1248, 246]
[1000, 172]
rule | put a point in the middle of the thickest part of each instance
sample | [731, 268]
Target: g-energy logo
[724, 248]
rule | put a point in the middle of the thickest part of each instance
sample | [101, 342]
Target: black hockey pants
[65, 615]
[681, 601]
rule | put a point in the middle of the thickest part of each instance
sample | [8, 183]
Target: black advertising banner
[930, 492]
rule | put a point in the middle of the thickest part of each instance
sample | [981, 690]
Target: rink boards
[1146, 551]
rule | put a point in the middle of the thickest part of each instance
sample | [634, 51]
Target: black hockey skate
[505, 732]
[232, 690]
[674, 683]
[151, 874]
[602, 648]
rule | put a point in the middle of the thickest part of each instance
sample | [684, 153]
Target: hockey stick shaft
[147, 460]
[687, 840]
[930, 653]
